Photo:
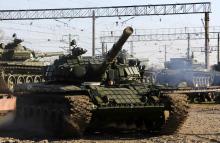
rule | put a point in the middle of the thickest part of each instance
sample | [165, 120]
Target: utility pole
[188, 48]
[132, 49]
[103, 48]
[70, 38]
[218, 56]
[206, 40]
[165, 56]
[93, 33]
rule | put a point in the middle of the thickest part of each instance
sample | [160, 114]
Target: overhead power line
[113, 11]
[160, 37]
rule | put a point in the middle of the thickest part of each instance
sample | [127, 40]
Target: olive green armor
[87, 94]
[20, 64]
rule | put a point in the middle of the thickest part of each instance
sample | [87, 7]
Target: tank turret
[113, 52]
[75, 68]
[15, 51]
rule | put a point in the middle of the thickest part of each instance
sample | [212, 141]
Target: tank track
[79, 115]
[68, 117]
[178, 112]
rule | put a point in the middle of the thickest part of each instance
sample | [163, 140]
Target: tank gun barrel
[49, 54]
[112, 53]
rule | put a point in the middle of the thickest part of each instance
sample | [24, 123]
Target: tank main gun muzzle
[113, 52]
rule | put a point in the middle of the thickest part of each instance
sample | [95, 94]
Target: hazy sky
[47, 35]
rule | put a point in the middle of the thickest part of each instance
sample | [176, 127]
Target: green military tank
[20, 64]
[86, 94]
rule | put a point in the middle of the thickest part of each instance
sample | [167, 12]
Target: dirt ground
[202, 125]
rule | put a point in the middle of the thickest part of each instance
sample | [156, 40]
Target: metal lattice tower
[161, 37]
[162, 34]
[113, 11]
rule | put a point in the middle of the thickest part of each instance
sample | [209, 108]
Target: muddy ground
[202, 125]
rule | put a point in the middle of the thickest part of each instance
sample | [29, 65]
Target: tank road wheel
[79, 115]
[20, 80]
[11, 82]
[37, 79]
[177, 106]
[28, 79]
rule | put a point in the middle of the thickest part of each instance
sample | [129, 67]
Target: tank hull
[64, 112]
[22, 72]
